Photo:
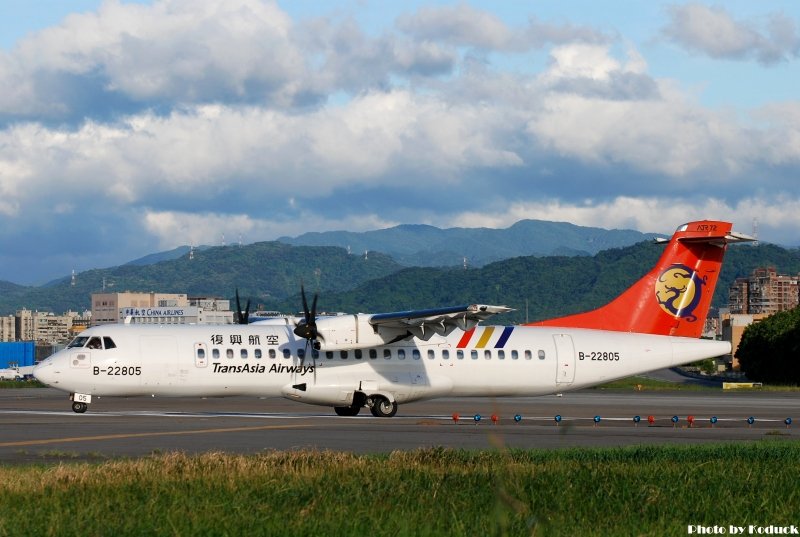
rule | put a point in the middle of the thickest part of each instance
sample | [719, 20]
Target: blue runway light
[675, 419]
[637, 419]
[713, 420]
[557, 418]
[597, 419]
[787, 421]
[477, 418]
[517, 418]
[751, 420]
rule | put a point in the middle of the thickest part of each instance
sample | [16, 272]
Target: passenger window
[109, 343]
[445, 354]
[514, 355]
[473, 354]
[287, 353]
[358, 354]
[257, 354]
[460, 354]
[528, 354]
[373, 354]
[215, 354]
[415, 354]
[229, 353]
[243, 354]
[315, 354]
[272, 353]
[431, 354]
[401, 354]
[329, 355]
[201, 353]
[387, 353]
[301, 353]
[501, 355]
[487, 354]
[541, 354]
[343, 355]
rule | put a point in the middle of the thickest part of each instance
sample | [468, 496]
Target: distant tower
[366, 255]
[465, 263]
[223, 239]
[191, 252]
[240, 240]
[348, 249]
[72, 283]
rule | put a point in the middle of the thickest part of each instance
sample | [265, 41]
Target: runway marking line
[23, 443]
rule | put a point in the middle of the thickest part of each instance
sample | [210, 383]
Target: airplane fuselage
[269, 360]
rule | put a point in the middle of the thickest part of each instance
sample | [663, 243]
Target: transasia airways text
[260, 368]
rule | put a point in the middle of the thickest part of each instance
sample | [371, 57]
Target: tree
[770, 349]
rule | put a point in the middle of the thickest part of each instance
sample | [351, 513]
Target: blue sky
[132, 127]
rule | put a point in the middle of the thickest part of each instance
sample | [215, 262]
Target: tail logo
[678, 291]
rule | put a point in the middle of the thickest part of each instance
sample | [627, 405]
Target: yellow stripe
[487, 333]
[144, 435]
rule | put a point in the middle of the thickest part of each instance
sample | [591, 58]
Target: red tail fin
[674, 297]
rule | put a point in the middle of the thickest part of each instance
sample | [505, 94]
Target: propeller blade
[242, 317]
[238, 308]
[307, 328]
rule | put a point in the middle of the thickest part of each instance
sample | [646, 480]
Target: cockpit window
[79, 341]
[109, 343]
[94, 343]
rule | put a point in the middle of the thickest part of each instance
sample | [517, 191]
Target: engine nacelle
[345, 332]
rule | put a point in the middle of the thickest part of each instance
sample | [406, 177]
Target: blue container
[19, 353]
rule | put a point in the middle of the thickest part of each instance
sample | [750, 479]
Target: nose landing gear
[80, 402]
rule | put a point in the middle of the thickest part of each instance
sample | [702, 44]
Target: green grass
[17, 384]
[611, 491]
[647, 384]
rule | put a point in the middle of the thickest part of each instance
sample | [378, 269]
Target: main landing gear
[79, 408]
[379, 405]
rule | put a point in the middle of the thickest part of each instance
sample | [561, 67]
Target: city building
[159, 308]
[764, 291]
[114, 307]
[754, 298]
[733, 325]
[8, 328]
[43, 327]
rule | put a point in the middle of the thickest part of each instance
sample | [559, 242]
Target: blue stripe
[504, 337]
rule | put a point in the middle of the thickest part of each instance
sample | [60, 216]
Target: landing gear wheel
[383, 408]
[347, 410]
[80, 408]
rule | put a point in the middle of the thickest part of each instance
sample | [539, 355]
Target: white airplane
[381, 360]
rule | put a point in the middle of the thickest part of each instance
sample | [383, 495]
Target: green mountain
[264, 272]
[539, 287]
[270, 274]
[428, 246]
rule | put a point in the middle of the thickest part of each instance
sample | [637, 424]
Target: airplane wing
[442, 321]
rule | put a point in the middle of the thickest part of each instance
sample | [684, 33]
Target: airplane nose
[45, 372]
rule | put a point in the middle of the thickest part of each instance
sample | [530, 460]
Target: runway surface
[37, 424]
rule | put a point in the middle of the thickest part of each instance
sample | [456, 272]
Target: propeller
[242, 317]
[307, 327]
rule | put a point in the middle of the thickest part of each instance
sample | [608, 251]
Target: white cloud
[778, 216]
[173, 228]
[714, 32]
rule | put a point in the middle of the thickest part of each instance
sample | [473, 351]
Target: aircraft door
[159, 361]
[565, 354]
[200, 355]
